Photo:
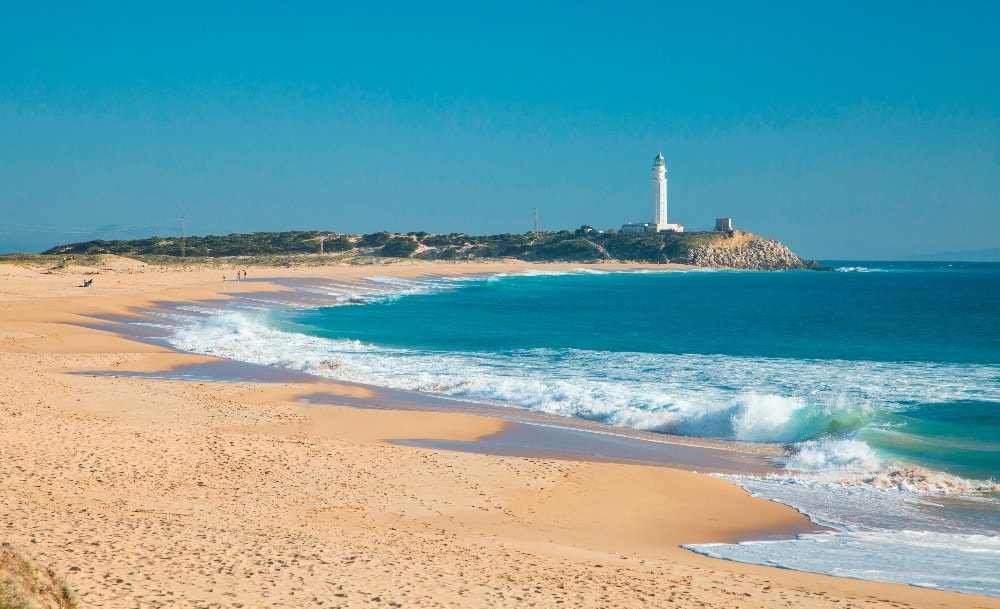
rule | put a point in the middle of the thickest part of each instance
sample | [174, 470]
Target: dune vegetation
[25, 585]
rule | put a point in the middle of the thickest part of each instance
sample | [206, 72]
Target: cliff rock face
[746, 252]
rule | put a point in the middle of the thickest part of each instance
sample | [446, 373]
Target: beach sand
[149, 493]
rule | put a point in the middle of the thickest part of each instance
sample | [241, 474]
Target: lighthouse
[659, 223]
[660, 193]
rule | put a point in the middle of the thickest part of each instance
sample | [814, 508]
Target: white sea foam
[859, 269]
[377, 288]
[834, 459]
[950, 561]
[852, 505]
[765, 418]
[543, 273]
[782, 401]
[886, 533]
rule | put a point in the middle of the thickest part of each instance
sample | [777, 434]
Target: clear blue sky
[846, 130]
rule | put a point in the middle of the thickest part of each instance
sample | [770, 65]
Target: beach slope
[147, 492]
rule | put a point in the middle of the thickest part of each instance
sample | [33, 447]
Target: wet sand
[193, 493]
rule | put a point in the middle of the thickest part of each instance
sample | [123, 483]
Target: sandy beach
[151, 493]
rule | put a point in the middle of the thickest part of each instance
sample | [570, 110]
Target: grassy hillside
[582, 245]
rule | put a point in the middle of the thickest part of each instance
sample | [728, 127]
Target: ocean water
[882, 379]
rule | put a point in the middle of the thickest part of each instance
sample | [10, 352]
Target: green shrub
[399, 247]
[374, 239]
[341, 243]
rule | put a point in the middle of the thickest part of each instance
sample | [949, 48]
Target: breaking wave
[819, 408]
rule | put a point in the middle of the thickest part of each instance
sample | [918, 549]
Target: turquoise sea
[881, 379]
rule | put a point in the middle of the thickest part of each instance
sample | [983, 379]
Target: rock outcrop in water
[746, 251]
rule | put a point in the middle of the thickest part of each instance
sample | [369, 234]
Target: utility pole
[183, 237]
[536, 220]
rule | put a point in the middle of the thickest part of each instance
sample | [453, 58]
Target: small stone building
[724, 225]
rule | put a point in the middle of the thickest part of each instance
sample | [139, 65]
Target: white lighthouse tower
[660, 193]
[659, 222]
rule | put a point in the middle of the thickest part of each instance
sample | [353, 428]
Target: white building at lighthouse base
[649, 227]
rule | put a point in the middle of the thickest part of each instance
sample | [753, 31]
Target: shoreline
[187, 492]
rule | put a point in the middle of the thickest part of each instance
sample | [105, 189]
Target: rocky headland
[746, 251]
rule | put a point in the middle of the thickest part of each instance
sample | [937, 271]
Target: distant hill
[711, 249]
